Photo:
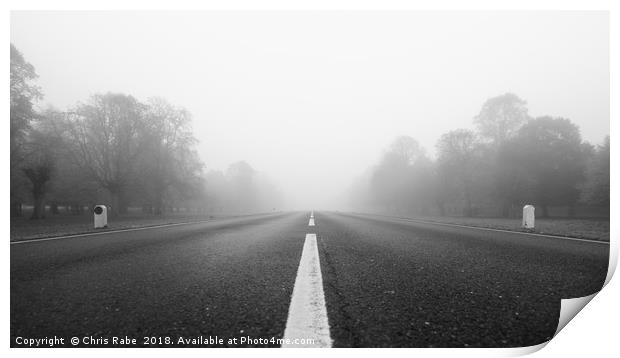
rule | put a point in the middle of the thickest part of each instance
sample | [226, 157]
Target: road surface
[380, 282]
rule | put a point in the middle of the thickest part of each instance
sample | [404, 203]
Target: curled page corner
[613, 263]
[569, 309]
[523, 351]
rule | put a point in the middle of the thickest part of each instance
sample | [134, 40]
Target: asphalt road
[387, 283]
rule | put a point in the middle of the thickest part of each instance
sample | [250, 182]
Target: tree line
[116, 150]
[509, 160]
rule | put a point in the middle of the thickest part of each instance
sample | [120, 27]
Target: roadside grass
[59, 225]
[594, 229]
[23, 228]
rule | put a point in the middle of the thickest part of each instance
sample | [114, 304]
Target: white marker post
[100, 213]
[528, 217]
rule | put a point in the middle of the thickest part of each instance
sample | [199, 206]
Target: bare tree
[170, 160]
[459, 160]
[597, 185]
[107, 132]
[241, 177]
[512, 160]
[23, 95]
[40, 162]
[552, 154]
[397, 181]
[497, 123]
[501, 117]
[407, 149]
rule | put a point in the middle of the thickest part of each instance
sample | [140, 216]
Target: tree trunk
[38, 194]
[38, 211]
[159, 204]
[77, 209]
[54, 208]
[38, 176]
[16, 209]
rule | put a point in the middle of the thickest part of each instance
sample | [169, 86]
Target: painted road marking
[105, 232]
[311, 222]
[312, 214]
[27, 241]
[496, 230]
[307, 314]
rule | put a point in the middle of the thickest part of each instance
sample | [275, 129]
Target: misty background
[313, 103]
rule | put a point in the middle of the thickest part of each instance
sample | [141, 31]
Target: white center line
[311, 222]
[307, 324]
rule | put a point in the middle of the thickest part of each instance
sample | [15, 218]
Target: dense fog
[425, 113]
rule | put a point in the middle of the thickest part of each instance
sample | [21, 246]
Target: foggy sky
[313, 98]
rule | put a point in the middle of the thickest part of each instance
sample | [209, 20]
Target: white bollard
[528, 217]
[100, 213]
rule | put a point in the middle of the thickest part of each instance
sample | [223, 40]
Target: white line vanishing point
[307, 325]
[311, 222]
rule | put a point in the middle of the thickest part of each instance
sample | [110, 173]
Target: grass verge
[61, 225]
[593, 229]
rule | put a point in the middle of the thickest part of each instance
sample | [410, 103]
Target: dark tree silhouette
[501, 117]
[23, 95]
